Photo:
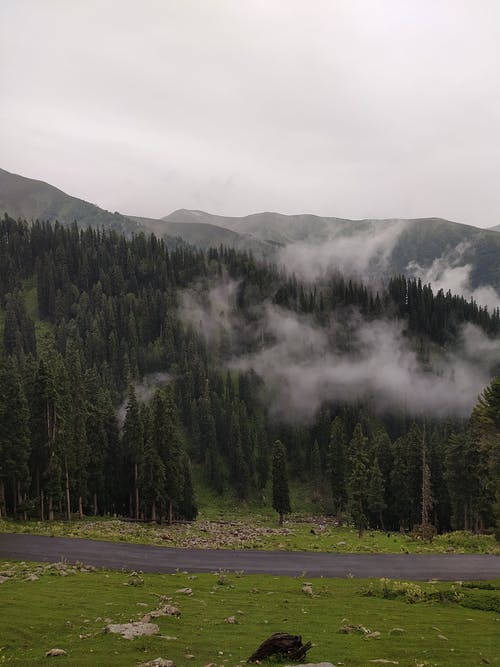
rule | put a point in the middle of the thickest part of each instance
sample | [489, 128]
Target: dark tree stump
[283, 645]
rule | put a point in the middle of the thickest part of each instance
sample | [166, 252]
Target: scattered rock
[210, 664]
[189, 656]
[54, 652]
[3, 579]
[350, 629]
[443, 638]
[167, 610]
[382, 661]
[373, 635]
[314, 664]
[307, 589]
[396, 631]
[170, 610]
[134, 579]
[158, 662]
[185, 591]
[8, 573]
[231, 620]
[31, 577]
[131, 630]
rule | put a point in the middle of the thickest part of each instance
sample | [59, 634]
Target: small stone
[158, 662]
[231, 620]
[373, 635]
[396, 631]
[32, 577]
[382, 661]
[443, 638]
[307, 589]
[189, 656]
[54, 652]
[185, 591]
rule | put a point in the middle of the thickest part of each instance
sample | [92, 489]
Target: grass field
[257, 532]
[71, 611]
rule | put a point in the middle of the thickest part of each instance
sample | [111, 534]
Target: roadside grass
[256, 532]
[70, 612]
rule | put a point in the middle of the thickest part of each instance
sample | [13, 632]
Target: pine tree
[14, 437]
[427, 500]
[281, 494]
[315, 471]
[132, 442]
[167, 438]
[485, 421]
[187, 504]
[375, 497]
[336, 465]
[151, 474]
[357, 486]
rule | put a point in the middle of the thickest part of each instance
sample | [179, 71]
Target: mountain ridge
[430, 247]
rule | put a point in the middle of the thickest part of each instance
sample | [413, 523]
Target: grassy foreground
[257, 532]
[442, 625]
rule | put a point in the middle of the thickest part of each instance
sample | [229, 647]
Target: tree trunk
[281, 519]
[170, 513]
[80, 507]
[68, 500]
[96, 508]
[153, 511]
[42, 505]
[381, 519]
[2, 499]
[136, 481]
[51, 509]
[14, 496]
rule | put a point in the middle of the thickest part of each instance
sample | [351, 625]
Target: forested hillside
[125, 363]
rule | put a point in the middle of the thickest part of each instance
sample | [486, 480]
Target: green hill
[30, 199]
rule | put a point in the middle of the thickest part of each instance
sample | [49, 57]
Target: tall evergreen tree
[281, 494]
[357, 486]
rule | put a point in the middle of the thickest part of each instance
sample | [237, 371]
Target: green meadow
[60, 606]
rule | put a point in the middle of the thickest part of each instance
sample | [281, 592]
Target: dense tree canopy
[87, 316]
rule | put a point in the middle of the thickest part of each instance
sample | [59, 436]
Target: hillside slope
[31, 199]
[430, 247]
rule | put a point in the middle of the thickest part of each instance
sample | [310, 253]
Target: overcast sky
[352, 108]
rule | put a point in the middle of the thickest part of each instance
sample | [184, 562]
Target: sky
[348, 108]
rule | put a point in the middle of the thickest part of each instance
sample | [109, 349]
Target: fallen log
[283, 645]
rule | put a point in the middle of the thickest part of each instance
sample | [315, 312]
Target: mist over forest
[131, 363]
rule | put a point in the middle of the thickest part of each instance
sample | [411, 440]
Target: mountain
[496, 228]
[30, 199]
[438, 250]
[203, 234]
[451, 255]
